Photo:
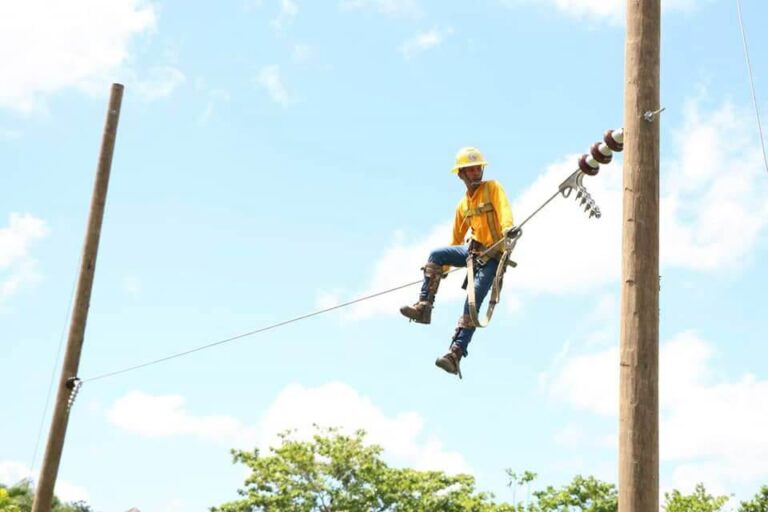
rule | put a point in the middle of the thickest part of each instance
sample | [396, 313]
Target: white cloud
[337, 404]
[611, 11]
[160, 82]
[423, 41]
[327, 299]
[296, 407]
[288, 11]
[711, 430]
[268, 77]
[12, 472]
[163, 416]
[562, 250]
[589, 382]
[396, 8]
[400, 264]
[17, 267]
[46, 46]
[713, 205]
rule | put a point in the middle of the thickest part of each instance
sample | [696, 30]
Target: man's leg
[421, 311]
[483, 280]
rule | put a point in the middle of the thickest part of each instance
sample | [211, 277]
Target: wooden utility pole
[639, 381]
[58, 429]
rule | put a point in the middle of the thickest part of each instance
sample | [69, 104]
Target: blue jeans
[456, 256]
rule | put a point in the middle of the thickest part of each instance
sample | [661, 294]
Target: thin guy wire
[250, 333]
[52, 380]
[298, 318]
[751, 83]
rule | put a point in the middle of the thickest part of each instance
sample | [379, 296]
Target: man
[485, 210]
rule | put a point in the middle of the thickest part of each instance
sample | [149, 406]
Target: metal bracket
[583, 197]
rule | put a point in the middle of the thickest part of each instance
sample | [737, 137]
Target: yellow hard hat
[468, 157]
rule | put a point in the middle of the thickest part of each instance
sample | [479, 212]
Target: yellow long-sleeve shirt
[479, 223]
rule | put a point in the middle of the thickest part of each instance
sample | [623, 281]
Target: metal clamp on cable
[73, 384]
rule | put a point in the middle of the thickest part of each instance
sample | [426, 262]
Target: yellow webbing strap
[491, 216]
[484, 207]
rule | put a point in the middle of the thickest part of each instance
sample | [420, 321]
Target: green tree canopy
[19, 498]
[583, 494]
[759, 503]
[336, 472]
[698, 501]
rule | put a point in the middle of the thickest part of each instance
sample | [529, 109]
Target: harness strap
[491, 215]
[498, 281]
[481, 208]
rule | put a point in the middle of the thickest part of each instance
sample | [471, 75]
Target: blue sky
[278, 157]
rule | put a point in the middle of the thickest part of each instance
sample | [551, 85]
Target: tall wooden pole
[639, 377]
[58, 429]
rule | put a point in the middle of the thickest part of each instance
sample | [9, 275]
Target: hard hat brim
[457, 168]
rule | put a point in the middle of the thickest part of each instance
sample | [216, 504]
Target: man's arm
[502, 207]
[460, 227]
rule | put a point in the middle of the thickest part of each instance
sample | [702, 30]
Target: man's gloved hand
[513, 232]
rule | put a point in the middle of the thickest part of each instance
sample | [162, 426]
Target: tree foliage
[336, 472]
[19, 498]
[698, 501]
[583, 494]
[759, 503]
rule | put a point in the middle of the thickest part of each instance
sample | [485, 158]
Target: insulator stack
[602, 152]
[589, 164]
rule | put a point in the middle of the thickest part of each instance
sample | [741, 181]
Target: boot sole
[446, 366]
[417, 320]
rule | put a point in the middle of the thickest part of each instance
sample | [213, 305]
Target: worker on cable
[485, 210]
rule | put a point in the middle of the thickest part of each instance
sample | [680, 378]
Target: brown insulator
[611, 142]
[586, 168]
[599, 155]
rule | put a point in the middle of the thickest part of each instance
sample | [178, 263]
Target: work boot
[421, 312]
[450, 361]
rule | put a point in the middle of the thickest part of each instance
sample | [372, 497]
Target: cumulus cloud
[423, 41]
[713, 205]
[163, 416]
[711, 430]
[46, 46]
[288, 11]
[269, 78]
[159, 82]
[400, 264]
[296, 407]
[17, 268]
[611, 11]
[395, 8]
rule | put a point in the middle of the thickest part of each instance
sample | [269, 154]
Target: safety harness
[479, 254]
